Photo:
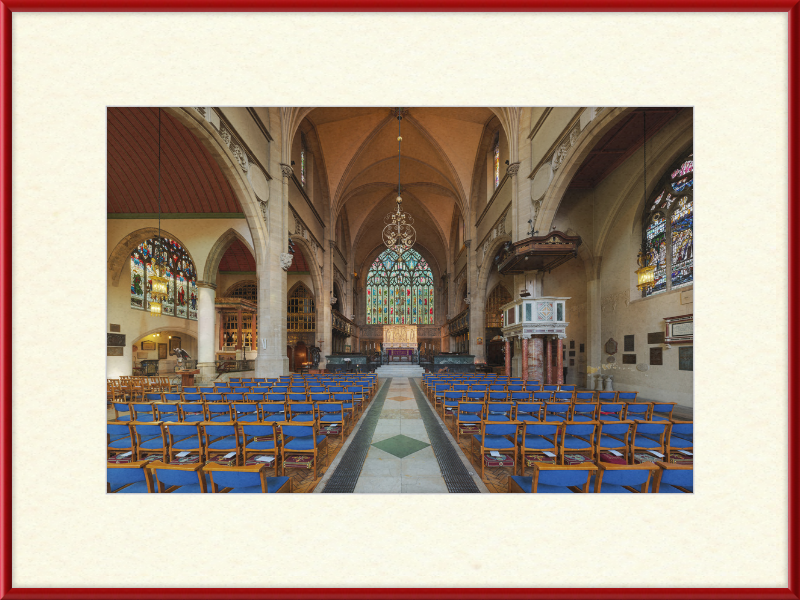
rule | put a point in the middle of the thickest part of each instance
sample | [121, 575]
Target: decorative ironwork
[399, 233]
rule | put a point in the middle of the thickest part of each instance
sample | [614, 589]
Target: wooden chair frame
[603, 467]
[261, 469]
[162, 489]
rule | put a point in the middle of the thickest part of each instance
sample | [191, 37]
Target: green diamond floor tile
[401, 445]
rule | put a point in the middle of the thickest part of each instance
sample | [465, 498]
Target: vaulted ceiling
[360, 151]
[237, 258]
[191, 180]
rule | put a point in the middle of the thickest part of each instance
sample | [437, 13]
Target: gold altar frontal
[400, 336]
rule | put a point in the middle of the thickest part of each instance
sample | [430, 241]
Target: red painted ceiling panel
[299, 263]
[237, 258]
[191, 180]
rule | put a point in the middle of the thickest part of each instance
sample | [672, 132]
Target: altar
[400, 342]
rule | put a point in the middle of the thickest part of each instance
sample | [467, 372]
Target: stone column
[206, 295]
[525, 358]
[594, 355]
[477, 307]
[508, 357]
[560, 361]
[538, 359]
[549, 380]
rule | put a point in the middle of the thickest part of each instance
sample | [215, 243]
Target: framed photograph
[174, 342]
[162, 351]
[148, 345]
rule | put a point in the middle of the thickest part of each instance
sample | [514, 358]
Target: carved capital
[286, 170]
[205, 284]
[513, 168]
[467, 243]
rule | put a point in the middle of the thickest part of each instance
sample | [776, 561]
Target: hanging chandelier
[645, 274]
[158, 283]
[399, 233]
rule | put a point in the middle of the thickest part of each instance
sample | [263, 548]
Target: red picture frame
[6, 10]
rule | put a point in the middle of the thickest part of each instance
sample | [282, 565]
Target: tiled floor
[400, 457]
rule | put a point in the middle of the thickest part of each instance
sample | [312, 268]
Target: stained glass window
[496, 300]
[179, 271]
[399, 289]
[303, 160]
[668, 228]
[302, 310]
[497, 160]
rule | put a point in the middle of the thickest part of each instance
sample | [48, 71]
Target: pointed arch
[218, 251]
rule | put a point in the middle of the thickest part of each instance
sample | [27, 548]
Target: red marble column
[549, 361]
[560, 361]
[538, 359]
[524, 359]
[508, 357]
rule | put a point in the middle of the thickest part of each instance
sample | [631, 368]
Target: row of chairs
[130, 388]
[229, 443]
[519, 392]
[240, 412]
[605, 478]
[563, 442]
[159, 477]
[524, 409]
[277, 389]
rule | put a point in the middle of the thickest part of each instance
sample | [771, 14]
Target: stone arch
[488, 261]
[242, 188]
[183, 329]
[587, 139]
[311, 259]
[218, 251]
[240, 283]
[117, 260]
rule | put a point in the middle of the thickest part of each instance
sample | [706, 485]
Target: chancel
[400, 300]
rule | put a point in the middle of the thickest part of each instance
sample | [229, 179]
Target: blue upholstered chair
[680, 437]
[150, 438]
[623, 479]
[637, 410]
[562, 396]
[272, 412]
[119, 439]
[583, 411]
[606, 396]
[221, 439]
[613, 435]
[192, 412]
[450, 402]
[246, 480]
[662, 411]
[260, 439]
[649, 435]
[178, 478]
[332, 415]
[121, 411]
[627, 396]
[246, 412]
[142, 412]
[190, 390]
[554, 479]
[542, 396]
[301, 412]
[499, 411]
[584, 396]
[536, 439]
[184, 437]
[500, 436]
[254, 397]
[299, 440]
[611, 411]
[168, 411]
[550, 388]
[577, 438]
[566, 388]
[673, 478]
[556, 411]
[219, 411]
[128, 478]
[528, 411]
[468, 417]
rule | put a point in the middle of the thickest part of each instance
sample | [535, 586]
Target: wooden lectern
[187, 377]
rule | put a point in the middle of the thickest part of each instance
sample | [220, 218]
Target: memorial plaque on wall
[113, 328]
[686, 358]
[656, 356]
[628, 343]
[628, 359]
[114, 351]
[115, 339]
[655, 338]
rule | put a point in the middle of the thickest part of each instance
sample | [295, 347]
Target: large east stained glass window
[667, 225]
[399, 289]
[179, 271]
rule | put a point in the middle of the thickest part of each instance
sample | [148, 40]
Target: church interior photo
[400, 299]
